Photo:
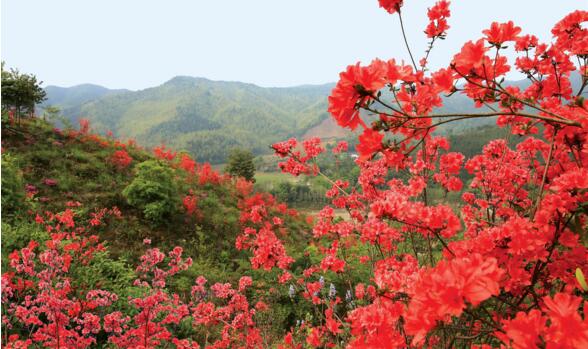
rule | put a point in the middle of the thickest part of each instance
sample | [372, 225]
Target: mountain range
[207, 118]
[204, 117]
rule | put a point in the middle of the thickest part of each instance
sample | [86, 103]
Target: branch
[544, 178]
[501, 89]
[558, 119]
[406, 41]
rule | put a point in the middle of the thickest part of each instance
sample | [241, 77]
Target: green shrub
[15, 237]
[154, 191]
[13, 194]
[106, 273]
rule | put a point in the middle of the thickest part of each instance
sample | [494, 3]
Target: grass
[268, 180]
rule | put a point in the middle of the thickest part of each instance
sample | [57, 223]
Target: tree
[241, 164]
[20, 92]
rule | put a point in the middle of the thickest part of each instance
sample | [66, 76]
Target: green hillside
[54, 177]
[71, 98]
[45, 169]
[205, 117]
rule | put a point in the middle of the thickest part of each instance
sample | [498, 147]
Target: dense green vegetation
[61, 171]
[208, 118]
[154, 191]
[13, 194]
[20, 93]
[241, 164]
[205, 117]
[471, 142]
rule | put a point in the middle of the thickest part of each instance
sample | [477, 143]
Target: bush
[154, 191]
[13, 194]
[15, 237]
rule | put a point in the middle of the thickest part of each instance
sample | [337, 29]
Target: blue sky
[141, 43]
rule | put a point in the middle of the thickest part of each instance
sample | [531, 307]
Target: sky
[136, 44]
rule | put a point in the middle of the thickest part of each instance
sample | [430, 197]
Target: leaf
[581, 279]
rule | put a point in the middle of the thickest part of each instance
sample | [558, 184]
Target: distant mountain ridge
[67, 97]
[207, 118]
[202, 116]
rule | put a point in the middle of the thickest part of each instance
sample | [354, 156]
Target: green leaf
[581, 279]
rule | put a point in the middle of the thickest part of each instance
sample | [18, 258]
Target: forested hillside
[113, 200]
[70, 99]
[206, 118]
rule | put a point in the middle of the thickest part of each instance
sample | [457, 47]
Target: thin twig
[406, 41]
[544, 178]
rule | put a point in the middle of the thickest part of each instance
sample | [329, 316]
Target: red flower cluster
[438, 15]
[391, 6]
[121, 159]
[39, 293]
[341, 147]
[187, 164]
[501, 33]
[190, 202]
[297, 163]
[259, 220]
[84, 126]
[161, 152]
[356, 85]
[506, 275]
[206, 175]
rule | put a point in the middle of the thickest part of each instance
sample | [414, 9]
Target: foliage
[240, 164]
[154, 191]
[20, 92]
[206, 118]
[298, 193]
[16, 237]
[13, 193]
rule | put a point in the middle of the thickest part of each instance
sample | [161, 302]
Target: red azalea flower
[355, 86]
[501, 32]
[471, 56]
[392, 6]
[370, 141]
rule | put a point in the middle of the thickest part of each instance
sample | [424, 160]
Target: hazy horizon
[140, 44]
[45, 85]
